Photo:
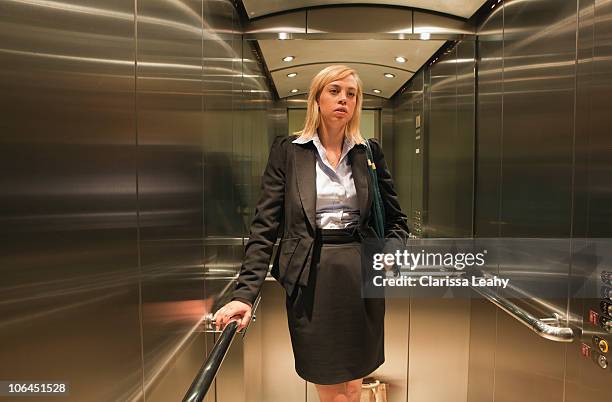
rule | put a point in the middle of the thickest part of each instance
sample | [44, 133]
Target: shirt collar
[347, 145]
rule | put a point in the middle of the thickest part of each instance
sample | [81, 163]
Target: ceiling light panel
[371, 76]
[460, 8]
[365, 51]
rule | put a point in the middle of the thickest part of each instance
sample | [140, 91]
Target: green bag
[378, 210]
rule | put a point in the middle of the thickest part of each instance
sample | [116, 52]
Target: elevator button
[593, 317]
[585, 350]
[606, 307]
[602, 361]
[603, 345]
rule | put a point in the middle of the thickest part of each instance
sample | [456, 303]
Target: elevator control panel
[600, 319]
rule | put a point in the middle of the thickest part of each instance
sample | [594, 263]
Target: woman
[316, 191]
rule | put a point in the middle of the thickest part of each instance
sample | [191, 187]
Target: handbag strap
[378, 210]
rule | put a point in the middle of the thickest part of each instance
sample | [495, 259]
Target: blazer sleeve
[265, 225]
[396, 222]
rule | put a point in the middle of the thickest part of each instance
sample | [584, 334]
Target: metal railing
[207, 373]
[548, 328]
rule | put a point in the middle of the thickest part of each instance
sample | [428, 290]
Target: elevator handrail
[201, 383]
[207, 373]
[539, 326]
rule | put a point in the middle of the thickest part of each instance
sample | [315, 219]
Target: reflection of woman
[316, 191]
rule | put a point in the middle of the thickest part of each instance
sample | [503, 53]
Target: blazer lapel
[305, 160]
[361, 177]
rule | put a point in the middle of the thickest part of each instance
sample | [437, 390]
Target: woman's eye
[333, 91]
[351, 94]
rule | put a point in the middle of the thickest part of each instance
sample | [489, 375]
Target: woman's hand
[233, 310]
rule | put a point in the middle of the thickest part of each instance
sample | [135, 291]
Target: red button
[585, 350]
[593, 317]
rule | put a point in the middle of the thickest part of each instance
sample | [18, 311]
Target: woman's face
[337, 101]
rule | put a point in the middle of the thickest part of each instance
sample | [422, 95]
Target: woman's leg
[349, 391]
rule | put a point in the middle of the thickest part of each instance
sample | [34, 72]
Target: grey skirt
[336, 334]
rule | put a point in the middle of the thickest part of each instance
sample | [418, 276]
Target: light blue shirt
[337, 204]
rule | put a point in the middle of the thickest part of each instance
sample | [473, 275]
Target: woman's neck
[331, 137]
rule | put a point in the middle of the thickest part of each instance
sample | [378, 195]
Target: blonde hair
[313, 117]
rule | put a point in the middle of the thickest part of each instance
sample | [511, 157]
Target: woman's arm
[396, 222]
[265, 225]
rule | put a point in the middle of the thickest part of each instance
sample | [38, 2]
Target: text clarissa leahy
[434, 281]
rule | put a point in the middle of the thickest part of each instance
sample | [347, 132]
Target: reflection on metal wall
[123, 124]
[484, 316]
[543, 158]
[69, 302]
[408, 128]
[592, 190]
[169, 131]
[434, 132]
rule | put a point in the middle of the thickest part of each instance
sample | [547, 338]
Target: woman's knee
[353, 388]
[344, 391]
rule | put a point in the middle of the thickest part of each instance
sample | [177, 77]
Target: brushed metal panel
[69, 292]
[442, 133]
[280, 381]
[170, 165]
[293, 22]
[489, 126]
[483, 341]
[403, 148]
[169, 107]
[386, 134]
[440, 24]
[585, 379]
[394, 371]
[600, 168]
[527, 367]
[466, 137]
[538, 110]
[434, 353]
[451, 138]
[359, 19]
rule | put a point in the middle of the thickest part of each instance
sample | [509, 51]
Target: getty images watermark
[405, 259]
[459, 267]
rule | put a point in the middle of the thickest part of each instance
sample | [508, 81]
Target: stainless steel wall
[541, 148]
[433, 148]
[592, 187]
[122, 125]
[69, 294]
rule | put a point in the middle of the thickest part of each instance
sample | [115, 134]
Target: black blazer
[287, 205]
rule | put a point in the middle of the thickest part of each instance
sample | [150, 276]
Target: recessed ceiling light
[376, 91]
[294, 90]
[400, 59]
[425, 35]
[291, 75]
[389, 75]
[288, 58]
